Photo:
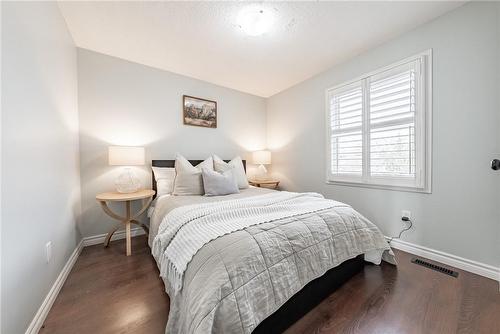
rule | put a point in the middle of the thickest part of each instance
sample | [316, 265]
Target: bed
[256, 261]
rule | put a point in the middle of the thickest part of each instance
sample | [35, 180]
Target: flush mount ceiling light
[255, 20]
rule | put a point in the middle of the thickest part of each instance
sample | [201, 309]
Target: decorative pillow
[218, 184]
[236, 165]
[188, 180]
[165, 178]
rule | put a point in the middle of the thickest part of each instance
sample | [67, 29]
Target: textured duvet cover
[228, 265]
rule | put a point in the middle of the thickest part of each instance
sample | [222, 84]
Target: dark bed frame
[307, 298]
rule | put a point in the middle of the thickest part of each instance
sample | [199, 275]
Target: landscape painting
[200, 112]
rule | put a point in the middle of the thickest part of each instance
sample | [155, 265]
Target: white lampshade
[126, 156]
[262, 157]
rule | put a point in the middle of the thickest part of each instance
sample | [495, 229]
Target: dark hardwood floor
[107, 292]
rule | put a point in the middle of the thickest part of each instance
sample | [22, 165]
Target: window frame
[423, 132]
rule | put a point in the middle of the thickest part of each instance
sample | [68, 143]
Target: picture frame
[199, 112]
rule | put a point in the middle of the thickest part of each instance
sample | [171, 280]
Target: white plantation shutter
[377, 127]
[346, 141]
[392, 122]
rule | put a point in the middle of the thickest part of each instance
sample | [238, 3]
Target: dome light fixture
[255, 20]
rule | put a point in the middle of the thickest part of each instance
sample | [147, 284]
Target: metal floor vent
[434, 267]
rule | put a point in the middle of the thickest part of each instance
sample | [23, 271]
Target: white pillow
[188, 180]
[218, 184]
[165, 178]
[236, 165]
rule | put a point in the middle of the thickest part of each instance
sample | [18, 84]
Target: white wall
[461, 216]
[40, 167]
[124, 103]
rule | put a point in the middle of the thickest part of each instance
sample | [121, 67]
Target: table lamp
[127, 181]
[262, 158]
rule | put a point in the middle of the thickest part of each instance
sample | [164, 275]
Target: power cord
[405, 219]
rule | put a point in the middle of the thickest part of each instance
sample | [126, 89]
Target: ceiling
[203, 40]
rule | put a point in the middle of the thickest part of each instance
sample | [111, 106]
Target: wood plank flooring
[107, 292]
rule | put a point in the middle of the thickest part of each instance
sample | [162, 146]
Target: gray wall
[40, 168]
[124, 103]
[461, 216]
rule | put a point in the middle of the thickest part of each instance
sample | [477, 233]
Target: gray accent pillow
[218, 184]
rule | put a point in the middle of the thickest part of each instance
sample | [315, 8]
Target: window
[379, 127]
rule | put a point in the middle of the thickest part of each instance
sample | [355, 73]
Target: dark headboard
[171, 163]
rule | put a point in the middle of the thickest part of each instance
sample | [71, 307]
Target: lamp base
[127, 182]
[262, 174]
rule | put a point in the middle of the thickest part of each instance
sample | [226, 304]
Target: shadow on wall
[286, 160]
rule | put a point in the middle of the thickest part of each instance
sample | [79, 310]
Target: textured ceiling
[202, 39]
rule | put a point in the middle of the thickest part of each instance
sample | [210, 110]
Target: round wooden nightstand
[265, 183]
[128, 219]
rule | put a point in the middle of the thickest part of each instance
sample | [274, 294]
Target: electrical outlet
[48, 251]
[406, 213]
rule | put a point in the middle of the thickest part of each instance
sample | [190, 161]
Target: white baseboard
[49, 300]
[474, 267]
[99, 239]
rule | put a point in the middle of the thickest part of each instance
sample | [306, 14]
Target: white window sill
[379, 186]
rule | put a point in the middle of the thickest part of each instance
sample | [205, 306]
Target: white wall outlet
[406, 213]
[48, 251]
